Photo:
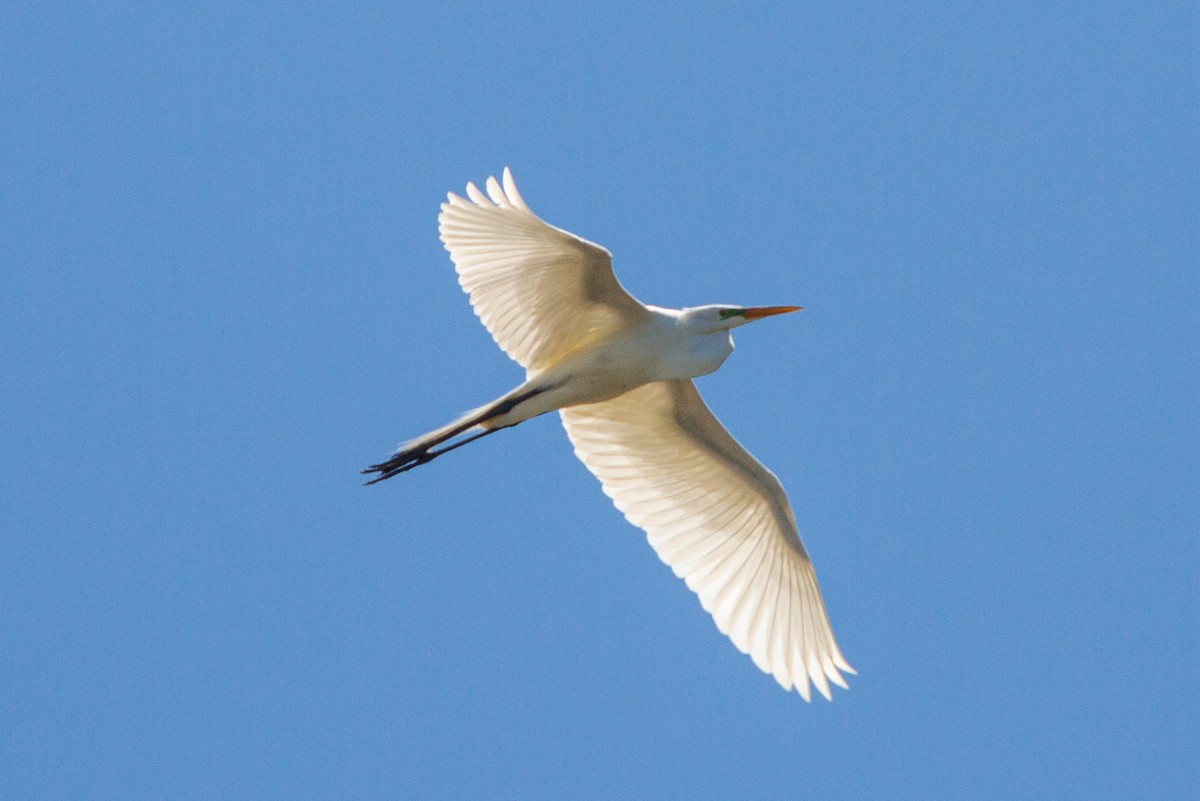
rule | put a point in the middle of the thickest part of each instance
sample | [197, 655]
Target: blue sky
[222, 293]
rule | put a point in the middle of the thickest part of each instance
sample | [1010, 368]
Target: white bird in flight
[620, 374]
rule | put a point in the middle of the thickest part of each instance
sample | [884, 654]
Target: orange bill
[758, 312]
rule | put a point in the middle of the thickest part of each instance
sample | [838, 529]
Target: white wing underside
[719, 518]
[540, 291]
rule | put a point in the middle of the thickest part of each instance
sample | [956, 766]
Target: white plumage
[620, 374]
[540, 291]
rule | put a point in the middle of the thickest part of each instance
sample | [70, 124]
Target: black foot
[400, 463]
[406, 460]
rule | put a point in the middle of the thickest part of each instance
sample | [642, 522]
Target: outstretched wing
[719, 518]
[542, 292]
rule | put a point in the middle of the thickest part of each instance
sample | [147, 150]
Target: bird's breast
[693, 354]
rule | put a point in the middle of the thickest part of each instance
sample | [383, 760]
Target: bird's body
[666, 346]
[620, 374]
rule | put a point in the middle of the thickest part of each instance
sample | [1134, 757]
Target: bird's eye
[727, 313]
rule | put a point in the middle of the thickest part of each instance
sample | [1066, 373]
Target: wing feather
[540, 291]
[720, 520]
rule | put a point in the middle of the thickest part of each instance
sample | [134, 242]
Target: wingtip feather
[494, 192]
[510, 189]
[477, 197]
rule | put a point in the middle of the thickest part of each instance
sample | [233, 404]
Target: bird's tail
[418, 451]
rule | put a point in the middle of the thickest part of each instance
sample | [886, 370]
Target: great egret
[619, 372]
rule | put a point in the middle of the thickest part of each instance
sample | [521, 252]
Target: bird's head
[723, 318]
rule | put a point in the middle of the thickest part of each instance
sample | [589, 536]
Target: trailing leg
[421, 450]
